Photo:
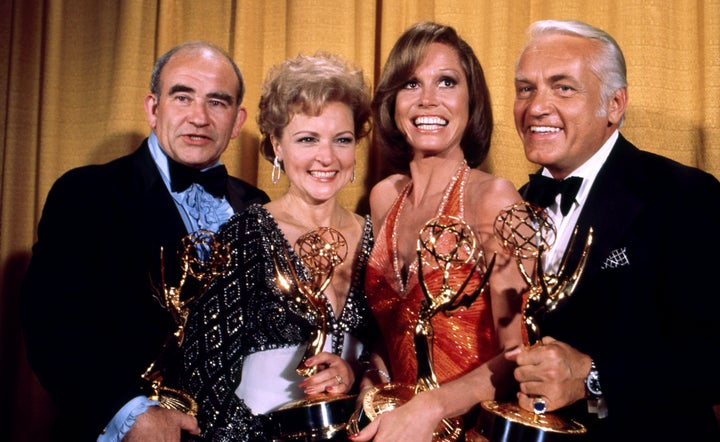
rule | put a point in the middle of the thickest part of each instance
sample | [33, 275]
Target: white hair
[608, 63]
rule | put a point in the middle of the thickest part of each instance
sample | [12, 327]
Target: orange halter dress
[462, 341]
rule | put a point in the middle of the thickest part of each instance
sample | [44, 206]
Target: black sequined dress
[243, 325]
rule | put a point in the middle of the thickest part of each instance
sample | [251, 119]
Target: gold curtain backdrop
[75, 73]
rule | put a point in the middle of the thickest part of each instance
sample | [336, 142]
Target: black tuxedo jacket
[647, 306]
[91, 322]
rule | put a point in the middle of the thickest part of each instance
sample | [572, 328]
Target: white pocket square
[617, 258]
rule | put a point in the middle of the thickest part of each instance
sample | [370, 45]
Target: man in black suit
[91, 320]
[630, 353]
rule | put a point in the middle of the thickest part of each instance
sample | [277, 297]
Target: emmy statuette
[201, 258]
[320, 416]
[446, 243]
[527, 232]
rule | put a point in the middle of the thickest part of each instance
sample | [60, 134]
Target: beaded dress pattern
[463, 341]
[244, 312]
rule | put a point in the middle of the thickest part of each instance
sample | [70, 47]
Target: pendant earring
[352, 177]
[276, 171]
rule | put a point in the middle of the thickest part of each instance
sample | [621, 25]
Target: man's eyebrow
[552, 79]
[213, 95]
[561, 77]
[221, 96]
[180, 88]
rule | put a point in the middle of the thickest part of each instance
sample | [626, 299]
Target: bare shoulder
[489, 194]
[384, 194]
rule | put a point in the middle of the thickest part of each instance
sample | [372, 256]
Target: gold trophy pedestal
[174, 399]
[390, 396]
[500, 421]
[319, 417]
[377, 401]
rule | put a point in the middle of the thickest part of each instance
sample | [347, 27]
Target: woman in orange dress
[433, 117]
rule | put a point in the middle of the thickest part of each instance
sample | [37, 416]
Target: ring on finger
[339, 379]
[539, 405]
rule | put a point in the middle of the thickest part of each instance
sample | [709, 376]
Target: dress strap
[392, 239]
[453, 199]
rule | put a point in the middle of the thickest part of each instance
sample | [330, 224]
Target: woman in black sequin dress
[245, 336]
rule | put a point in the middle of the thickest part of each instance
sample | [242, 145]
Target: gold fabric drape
[75, 73]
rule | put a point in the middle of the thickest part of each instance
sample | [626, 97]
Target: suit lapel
[238, 196]
[611, 206]
[164, 226]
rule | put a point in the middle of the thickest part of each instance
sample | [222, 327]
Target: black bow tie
[542, 191]
[212, 180]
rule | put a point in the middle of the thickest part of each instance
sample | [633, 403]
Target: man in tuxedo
[630, 352]
[91, 317]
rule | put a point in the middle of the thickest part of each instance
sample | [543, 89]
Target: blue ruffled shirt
[198, 208]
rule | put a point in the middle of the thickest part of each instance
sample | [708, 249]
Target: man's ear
[239, 121]
[617, 106]
[151, 104]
